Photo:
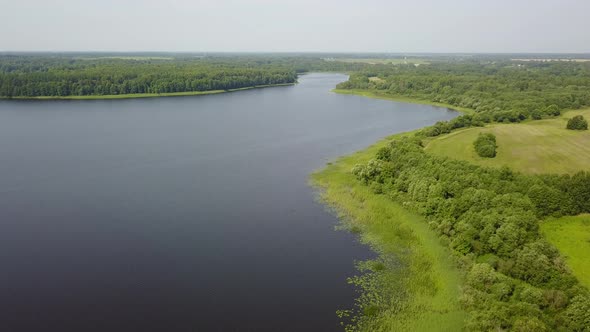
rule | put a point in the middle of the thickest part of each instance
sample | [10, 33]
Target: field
[571, 235]
[551, 59]
[427, 286]
[542, 146]
[381, 61]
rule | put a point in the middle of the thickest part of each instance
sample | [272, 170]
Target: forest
[39, 76]
[498, 90]
[31, 75]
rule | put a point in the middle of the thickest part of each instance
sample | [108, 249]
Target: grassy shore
[145, 95]
[377, 95]
[421, 289]
[571, 235]
[542, 146]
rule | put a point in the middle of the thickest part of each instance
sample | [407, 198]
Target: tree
[577, 123]
[485, 145]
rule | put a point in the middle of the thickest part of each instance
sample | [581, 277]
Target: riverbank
[414, 278]
[377, 95]
[145, 95]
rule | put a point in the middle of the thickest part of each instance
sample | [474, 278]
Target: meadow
[571, 235]
[533, 147]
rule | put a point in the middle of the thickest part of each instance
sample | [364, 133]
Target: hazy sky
[303, 25]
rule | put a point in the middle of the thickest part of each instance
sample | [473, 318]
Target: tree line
[35, 75]
[32, 76]
[498, 91]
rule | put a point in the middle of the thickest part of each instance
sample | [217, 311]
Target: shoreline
[403, 99]
[428, 283]
[145, 95]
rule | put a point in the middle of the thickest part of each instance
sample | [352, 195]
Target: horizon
[397, 53]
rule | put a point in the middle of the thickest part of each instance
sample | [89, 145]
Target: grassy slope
[543, 146]
[374, 94]
[150, 95]
[571, 235]
[432, 280]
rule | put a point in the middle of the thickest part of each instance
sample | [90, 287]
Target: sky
[410, 26]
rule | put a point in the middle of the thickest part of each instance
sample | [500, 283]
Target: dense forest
[60, 75]
[498, 91]
[515, 280]
[41, 76]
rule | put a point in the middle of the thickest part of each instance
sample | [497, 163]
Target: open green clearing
[571, 235]
[542, 146]
[421, 294]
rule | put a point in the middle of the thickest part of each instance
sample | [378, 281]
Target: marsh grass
[414, 284]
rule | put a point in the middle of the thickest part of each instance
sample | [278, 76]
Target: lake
[182, 213]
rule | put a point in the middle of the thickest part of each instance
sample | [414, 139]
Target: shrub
[577, 123]
[552, 110]
[536, 115]
[485, 145]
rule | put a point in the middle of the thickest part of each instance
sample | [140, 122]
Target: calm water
[181, 214]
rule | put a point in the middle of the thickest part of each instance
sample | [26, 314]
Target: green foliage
[485, 145]
[577, 315]
[489, 217]
[577, 123]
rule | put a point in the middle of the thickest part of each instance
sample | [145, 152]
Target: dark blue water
[181, 214]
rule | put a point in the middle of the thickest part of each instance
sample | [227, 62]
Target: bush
[577, 123]
[536, 115]
[485, 145]
[552, 110]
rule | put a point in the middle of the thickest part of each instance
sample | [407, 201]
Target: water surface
[181, 214]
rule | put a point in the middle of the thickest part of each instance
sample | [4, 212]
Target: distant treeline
[499, 91]
[35, 75]
[40, 76]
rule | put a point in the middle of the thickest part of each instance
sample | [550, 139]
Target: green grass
[571, 235]
[429, 279]
[542, 146]
[377, 95]
[148, 95]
